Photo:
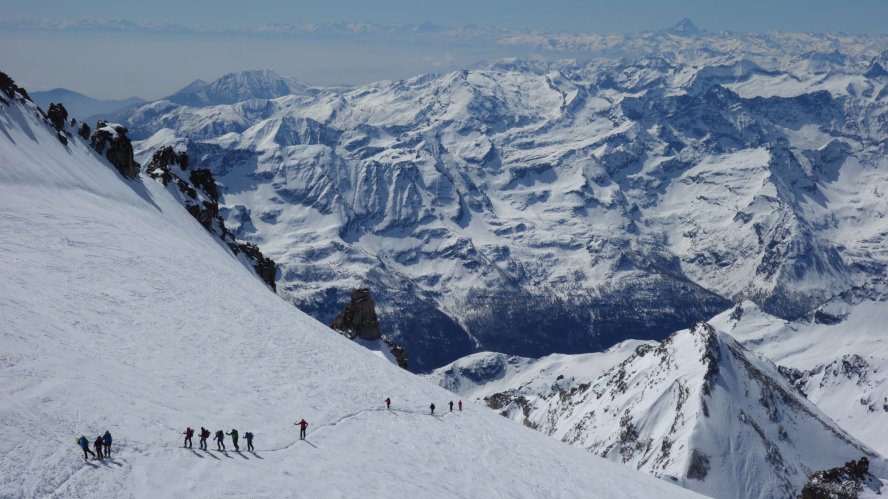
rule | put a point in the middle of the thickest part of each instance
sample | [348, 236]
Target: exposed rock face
[84, 131]
[111, 141]
[399, 352]
[844, 482]
[57, 115]
[358, 319]
[200, 195]
[8, 86]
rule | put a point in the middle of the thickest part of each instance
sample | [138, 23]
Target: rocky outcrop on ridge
[110, 140]
[358, 321]
[843, 482]
[199, 193]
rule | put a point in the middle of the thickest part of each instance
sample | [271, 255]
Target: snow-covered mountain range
[533, 207]
[121, 312]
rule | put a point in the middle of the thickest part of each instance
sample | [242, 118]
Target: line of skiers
[102, 444]
[219, 438]
[104, 441]
[432, 406]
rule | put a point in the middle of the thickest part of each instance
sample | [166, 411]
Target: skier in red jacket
[303, 424]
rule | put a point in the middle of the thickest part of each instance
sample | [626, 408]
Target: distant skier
[249, 437]
[220, 440]
[106, 441]
[189, 432]
[451, 406]
[204, 435]
[460, 406]
[432, 408]
[234, 439]
[97, 445]
[303, 424]
[388, 403]
[84, 446]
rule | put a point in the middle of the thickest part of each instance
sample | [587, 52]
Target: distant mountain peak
[685, 27]
[234, 87]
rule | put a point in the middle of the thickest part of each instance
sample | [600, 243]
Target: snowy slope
[608, 200]
[120, 312]
[698, 408]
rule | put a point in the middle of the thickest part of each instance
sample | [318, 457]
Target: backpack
[248, 436]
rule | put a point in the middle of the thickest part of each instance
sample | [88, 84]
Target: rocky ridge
[199, 193]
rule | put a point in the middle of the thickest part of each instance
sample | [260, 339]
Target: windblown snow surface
[119, 312]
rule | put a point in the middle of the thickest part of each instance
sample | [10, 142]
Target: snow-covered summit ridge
[235, 87]
[122, 313]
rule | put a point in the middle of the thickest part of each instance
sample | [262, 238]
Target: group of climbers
[102, 445]
[432, 406]
[219, 438]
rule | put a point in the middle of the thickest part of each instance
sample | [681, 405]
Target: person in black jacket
[106, 441]
[204, 435]
[220, 440]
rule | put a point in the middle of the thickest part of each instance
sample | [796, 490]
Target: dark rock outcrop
[84, 131]
[111, 141]
[9, 88]
[265, 267]
[844, 482]
[399, 352]
[57, 115]
[358, 319]
[202, 202]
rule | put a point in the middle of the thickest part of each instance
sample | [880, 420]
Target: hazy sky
[115, 64]
[859, 16]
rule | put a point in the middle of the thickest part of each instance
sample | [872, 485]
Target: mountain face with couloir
[532, 207]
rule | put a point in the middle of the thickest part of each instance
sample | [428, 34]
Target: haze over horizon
[163, 46]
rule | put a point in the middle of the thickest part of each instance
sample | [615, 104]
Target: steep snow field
[120, 312]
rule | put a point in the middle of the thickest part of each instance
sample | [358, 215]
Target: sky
[118, 65]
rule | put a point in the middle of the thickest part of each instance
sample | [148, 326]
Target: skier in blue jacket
[83, 442]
